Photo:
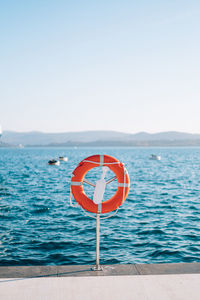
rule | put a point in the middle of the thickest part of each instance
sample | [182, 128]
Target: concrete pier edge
[108, 270]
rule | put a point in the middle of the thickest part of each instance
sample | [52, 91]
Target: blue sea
[158, 223]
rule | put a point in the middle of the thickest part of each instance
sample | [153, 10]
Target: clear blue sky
[84, 65]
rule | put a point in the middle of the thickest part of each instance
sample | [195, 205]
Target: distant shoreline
[144, 144]
[99, 139]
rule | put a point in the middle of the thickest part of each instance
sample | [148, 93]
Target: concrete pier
[152, 282]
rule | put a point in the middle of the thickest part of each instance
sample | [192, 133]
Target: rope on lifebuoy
[87, 214]
[97, 206]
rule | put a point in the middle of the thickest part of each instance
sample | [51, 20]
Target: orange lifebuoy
[95, 161]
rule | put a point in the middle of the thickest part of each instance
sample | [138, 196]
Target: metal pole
[97, 267]
[97, 241]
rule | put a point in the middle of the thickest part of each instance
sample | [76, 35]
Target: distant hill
[168, 135]
[41, 138]
[101, 138]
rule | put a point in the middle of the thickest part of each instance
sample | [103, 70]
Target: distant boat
[63, 158]
[54, 162]
[20, 146]
[155, 157]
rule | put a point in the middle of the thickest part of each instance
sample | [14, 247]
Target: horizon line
[97, 130]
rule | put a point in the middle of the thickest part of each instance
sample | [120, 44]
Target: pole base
[97, 268]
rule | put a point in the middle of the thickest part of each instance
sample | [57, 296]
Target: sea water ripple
[158, 223]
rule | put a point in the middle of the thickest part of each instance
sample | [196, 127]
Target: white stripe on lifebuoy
[76, 183]
[123, 184]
